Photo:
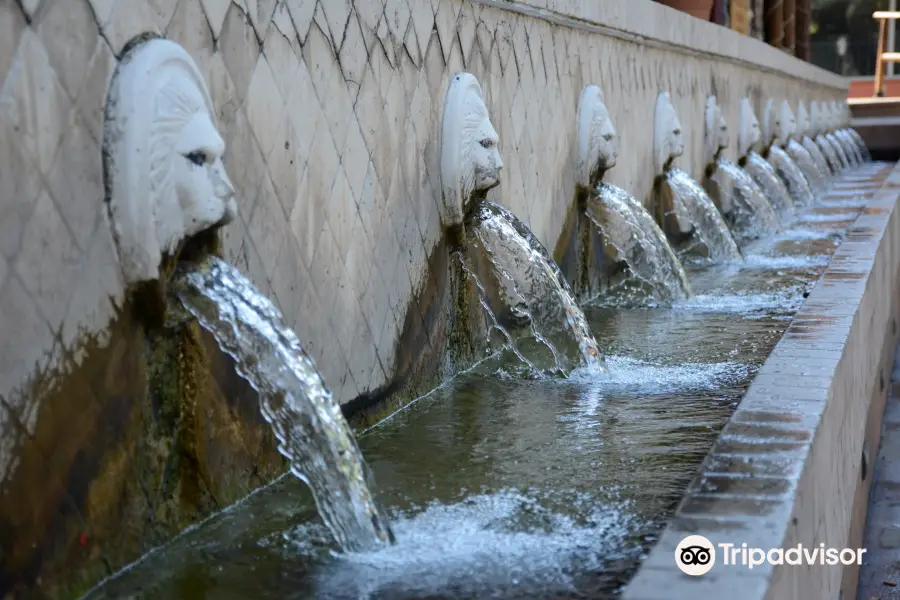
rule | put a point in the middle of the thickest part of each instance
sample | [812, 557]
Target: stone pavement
[879, 577]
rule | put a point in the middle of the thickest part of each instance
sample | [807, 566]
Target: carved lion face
[717, 137]
[668, 138]
[749, 133]
[785, 124]
[164, 157]
[470, 153]
[598, 146]
[802, 120]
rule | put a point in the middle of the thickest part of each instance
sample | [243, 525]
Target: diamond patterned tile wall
[331, 111]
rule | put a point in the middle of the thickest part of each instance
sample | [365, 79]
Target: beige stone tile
[370, 111]
[310, 208]
[243, 161]
[12, 24]
[191, 29]
[422, 21]
[240, 50]
[369, 14]
[342, 214]
[320, 61]
[33, 101]
[91, 103]
[260, 12]
[355, 158]
[48, 261]
[302, 15]
[397, 16]
[20, 185]
[215, 11]
[27, 340]
[102, 10]
[287, 276]
[325, 267]
[337, 106]
[267, 226]
[70, 35]
[286, 166]
[99, 288]
[302, 107]
[282, 60]
[265, 107]
[76, 181]
[337, 13]
[353, 57]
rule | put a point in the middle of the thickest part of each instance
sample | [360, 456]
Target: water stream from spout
[693, 205]
[746, 208]
[532, 284]
[764, 174]
[311, 430]
[830, 153]
[818, 157]
[625, 224]
[838, 150]
[793, 177]
[807, 164]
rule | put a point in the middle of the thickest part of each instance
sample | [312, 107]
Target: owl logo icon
[695, 555]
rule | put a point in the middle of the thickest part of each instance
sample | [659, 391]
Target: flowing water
[830, 153]
[625, 225]
[745, 206]
[860, 145]
[839, 150]
[691, 204]
[765, 176]
[818, 157]
[850, 147]
[807, 164]
[792, 176]
[531, 285]
[311, 430]
[519, 489]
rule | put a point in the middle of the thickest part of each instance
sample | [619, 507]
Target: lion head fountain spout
[820, 125]
[789, 132]
[618, 241]
[163, 158]
[716, 136]
[778, 127]
[470, 154]
[598, 146]
[749, 132]
[839, 122]
[668, 140]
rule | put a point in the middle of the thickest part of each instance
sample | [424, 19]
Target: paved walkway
[881, 565]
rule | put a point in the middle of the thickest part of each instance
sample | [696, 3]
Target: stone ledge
[657, 25]
[787, 468]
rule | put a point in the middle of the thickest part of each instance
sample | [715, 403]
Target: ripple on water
[763, 261]
[501, 541]
[750, 304]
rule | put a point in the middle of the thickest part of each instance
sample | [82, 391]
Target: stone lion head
[803, 125]
[164, 170]
[598, 145]
[816, 120]
[470, 153]
[749, 133]
[785, 124]
[716, 137]
[668, 140]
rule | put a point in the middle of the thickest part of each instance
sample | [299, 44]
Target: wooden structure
[883, 56]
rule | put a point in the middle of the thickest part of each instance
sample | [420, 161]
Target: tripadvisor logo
[696, 555]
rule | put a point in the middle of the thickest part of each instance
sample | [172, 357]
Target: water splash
[311, 430]
[627, 375]
[625, 225]
[692, 205]
[746, 208]
[860, 144]
[506, 540]
[773, 187]
[807, 164]
[777, 263]
[792, 176]
[531, 284]
[851, 150]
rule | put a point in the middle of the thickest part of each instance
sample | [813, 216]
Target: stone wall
[331, 113]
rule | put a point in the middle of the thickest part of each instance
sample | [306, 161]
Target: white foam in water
[801, 234]
[502, 540]
[762, 261]
[747, 304]
[631, 375]
[827, 218]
